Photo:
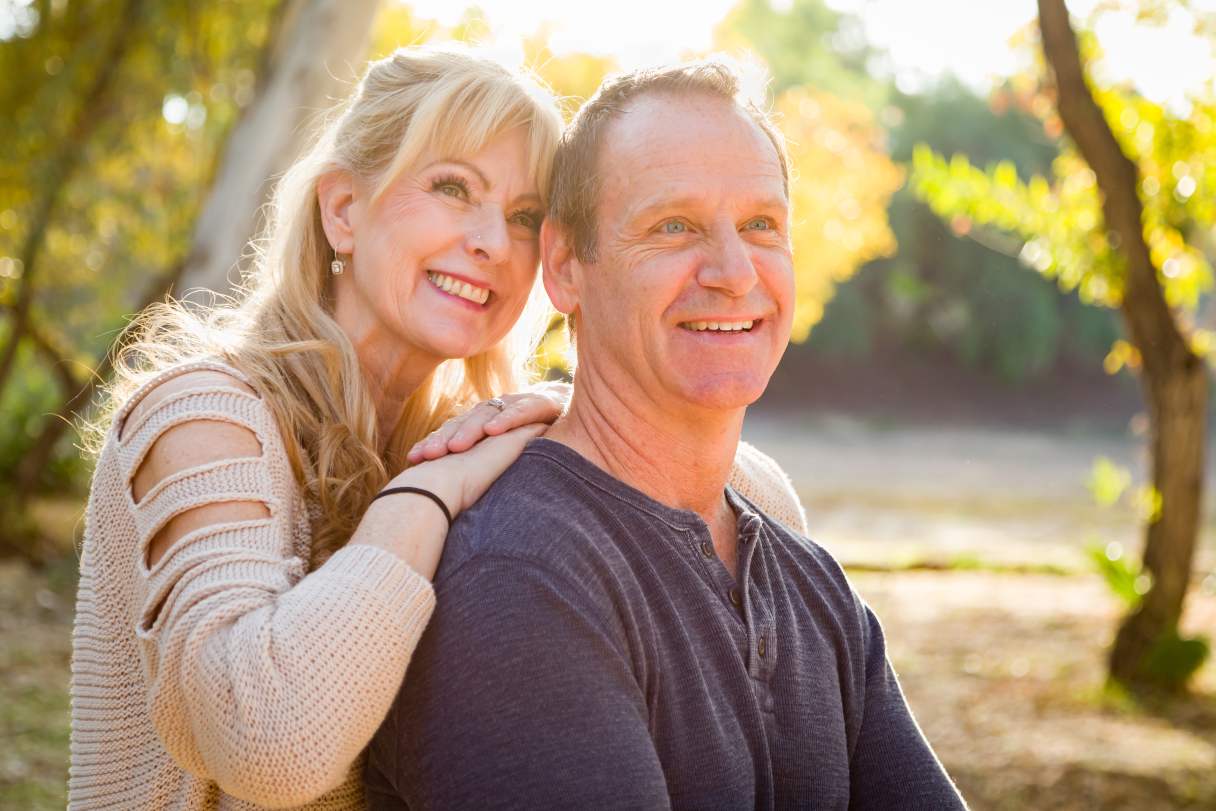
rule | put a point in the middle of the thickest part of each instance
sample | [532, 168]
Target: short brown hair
[575, 181]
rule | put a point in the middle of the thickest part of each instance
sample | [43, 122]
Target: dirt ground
[1005, 673]
[1002, 664]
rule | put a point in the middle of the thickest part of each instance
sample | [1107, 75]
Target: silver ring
[497, 402]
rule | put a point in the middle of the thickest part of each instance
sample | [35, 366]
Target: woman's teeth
[719, 326]
[477, 295]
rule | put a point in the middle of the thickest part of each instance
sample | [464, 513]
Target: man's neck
[683, 460]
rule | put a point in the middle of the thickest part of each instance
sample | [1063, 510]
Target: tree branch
[92, 111]
[1149, 320]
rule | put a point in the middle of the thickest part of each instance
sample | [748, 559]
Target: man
[616, 628]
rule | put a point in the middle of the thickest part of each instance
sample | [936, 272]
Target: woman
[248, 601]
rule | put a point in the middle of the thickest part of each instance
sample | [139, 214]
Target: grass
[35, 657]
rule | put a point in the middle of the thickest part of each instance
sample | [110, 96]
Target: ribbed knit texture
[226, 676]
[761, 481]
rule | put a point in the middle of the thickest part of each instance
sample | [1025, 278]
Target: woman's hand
[414, 529]
[541, 404]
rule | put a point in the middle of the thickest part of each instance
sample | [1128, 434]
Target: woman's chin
[449, 349]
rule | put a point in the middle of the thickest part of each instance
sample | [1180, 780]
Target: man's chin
[725, 392]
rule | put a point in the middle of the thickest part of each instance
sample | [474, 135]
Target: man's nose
[488, 240]
[730, 267]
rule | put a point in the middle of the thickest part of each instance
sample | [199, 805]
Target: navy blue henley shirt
[590, 650]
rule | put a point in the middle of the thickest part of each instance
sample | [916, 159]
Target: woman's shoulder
[760, 479]
[192, 414]
[167, 385]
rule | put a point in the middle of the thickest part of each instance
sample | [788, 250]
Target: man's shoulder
[540, 510]
[804, 556]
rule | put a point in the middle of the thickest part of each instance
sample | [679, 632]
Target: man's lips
[721, 324]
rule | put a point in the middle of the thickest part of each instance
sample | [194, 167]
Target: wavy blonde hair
[280, 330]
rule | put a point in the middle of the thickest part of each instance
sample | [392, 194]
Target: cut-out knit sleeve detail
[263, 678]
[242, 479]
[759, 479]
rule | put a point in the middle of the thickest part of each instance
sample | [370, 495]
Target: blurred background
[994, 408]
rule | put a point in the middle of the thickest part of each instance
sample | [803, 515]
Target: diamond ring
[497, 402]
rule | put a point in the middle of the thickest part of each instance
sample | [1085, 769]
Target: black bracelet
[388, 491]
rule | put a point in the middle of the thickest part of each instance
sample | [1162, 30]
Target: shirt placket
[757, 609]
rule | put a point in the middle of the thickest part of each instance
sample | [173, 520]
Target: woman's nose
[488, 240]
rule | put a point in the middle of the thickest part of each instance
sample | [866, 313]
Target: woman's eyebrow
[485, 181]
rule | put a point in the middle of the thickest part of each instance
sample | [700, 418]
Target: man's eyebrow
[661, 205]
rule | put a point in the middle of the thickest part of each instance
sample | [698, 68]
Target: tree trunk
[317, 41]
[1178, 405]
[1174, 378]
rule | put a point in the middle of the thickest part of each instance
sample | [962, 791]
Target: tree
[1115, 222]
[309, 62]
[149, 94]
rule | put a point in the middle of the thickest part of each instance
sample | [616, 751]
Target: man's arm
[892, 765]
[520, 695]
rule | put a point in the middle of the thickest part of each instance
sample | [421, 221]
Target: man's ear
[335, 194]
[559, 267]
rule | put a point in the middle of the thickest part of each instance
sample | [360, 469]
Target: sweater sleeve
[259, 677]
[759, 479]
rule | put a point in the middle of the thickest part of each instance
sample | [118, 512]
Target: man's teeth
[719, 326]
[447, 284]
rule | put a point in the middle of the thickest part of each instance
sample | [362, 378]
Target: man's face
[690, 300]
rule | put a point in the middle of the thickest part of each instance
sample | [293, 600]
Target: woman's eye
[528, 219]
[758, 224]
[674, 227]
[451, 187]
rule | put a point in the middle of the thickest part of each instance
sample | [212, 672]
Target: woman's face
[444, 259]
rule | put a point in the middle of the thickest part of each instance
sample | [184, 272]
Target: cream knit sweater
[227, 676]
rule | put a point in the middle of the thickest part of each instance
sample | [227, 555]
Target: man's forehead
[687, 140]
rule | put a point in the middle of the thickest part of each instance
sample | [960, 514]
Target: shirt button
[707, 550]
[735, 599]
[761, 647]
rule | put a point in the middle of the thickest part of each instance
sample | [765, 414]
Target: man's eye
[758, 224]
[674, 227]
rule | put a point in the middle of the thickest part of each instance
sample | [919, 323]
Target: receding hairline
[695, 95]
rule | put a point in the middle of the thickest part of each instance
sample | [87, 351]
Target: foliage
[843, 181]
[1121, 577]
[1058, 218]
[397, 26]
[1174, 659]
[947, 291]
[574, 77]
[123, 222]
[805, 43]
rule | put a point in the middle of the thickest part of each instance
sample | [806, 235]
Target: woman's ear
[335, 195]
[559, 267]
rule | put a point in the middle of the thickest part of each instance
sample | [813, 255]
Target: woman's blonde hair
[280, 329]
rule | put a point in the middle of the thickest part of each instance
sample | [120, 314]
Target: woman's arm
[261, 678]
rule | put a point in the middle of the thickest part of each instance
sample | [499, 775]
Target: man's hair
[576, 181]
